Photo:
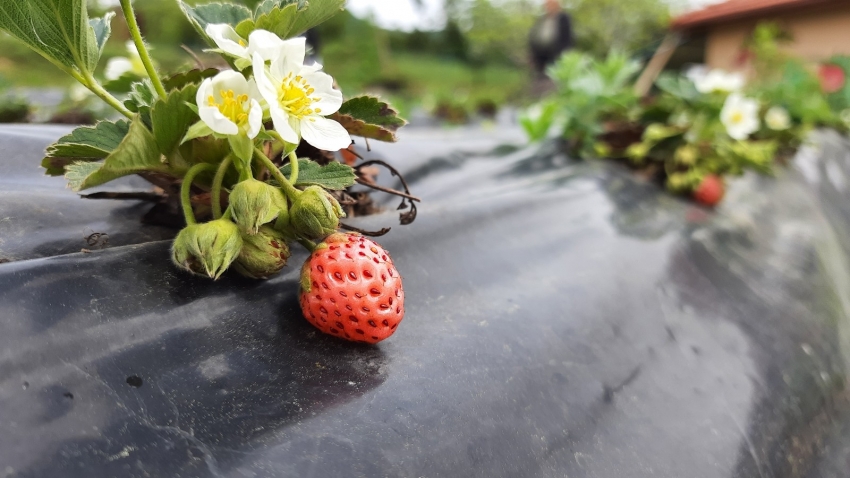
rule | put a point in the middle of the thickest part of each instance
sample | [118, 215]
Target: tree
[630, 26]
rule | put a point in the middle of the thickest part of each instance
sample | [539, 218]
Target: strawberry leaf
[334, 176]
[172, 117]
[211, 13]
[58, 30]
[278, 21]
[89, 143]
[191, 77]
[102, 30]
[137, 152]
[369, 117]
[289, 18]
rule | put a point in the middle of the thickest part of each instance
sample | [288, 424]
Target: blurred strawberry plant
[697, 127]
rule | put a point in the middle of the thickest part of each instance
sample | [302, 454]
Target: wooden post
[657, 63]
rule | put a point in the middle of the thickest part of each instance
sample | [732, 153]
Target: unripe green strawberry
[263, 254]
[207, 249]
[350, 289]
[254, 203]
[315, 213]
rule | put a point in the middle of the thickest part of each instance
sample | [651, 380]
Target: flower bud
[207, 249]
[263, 254]
[686, 155]
[315, 213]
[254, 203]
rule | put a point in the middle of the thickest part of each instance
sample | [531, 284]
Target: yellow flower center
[294, 97]
[737, 117]
[232, 107]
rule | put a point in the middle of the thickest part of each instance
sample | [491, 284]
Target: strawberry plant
[697, 127]
[246, 153]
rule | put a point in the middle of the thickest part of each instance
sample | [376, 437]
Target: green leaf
[58, 30]
[172, 117]
[141, 98]
[267, 5]
[78, 172]
[124, 83]
[211, 13]
[334, 176]
[369, 117]
[289, 18]
[102, 30]
[279, 21]
[84, 143]
[191, 77]
[315, 12]
[137, 152]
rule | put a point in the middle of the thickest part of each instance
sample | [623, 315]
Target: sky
[404, 15]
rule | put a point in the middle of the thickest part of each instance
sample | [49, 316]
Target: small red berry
[710, 191]
[351, 289]
[832, 78]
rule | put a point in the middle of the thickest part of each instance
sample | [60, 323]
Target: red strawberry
[710, 191]
[832, 78]
[350, 289]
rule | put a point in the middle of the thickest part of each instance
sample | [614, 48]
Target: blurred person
[550, 37]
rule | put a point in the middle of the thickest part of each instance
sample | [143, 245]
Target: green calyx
[306, 284]
[263, 254]
[315, 213]
[254, 203]
[207, 249]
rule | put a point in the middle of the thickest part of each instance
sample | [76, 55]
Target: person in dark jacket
[551, 36]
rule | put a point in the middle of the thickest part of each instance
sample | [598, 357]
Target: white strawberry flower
[299, 97]
[264, 42]
[717, 81]
[777, 118]
[740, 116]
[118, 66]
[229, 105]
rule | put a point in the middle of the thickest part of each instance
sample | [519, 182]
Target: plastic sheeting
[563, 320]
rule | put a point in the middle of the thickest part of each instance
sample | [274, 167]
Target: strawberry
[832, 78]
[350, 289]
[710, 191]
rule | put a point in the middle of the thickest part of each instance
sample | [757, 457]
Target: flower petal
[290, 58]
[255, 119]
[329, 99]
[264, 81]
[324, 133]
[226, 38]
[265, 43]
[282, 124]
[217, 121]
[116, 67]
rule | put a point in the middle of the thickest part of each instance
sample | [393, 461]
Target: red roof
[740, 9]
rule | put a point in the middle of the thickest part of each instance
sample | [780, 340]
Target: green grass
[427, 80]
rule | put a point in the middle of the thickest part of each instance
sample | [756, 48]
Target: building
[819, 28]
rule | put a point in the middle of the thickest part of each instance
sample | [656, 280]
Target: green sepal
[243, 147]
[197, 130]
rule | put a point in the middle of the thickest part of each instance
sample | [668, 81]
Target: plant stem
[91, 83]
[127, 8]
[288, 188]
[216, 186]
[293, 164]
[186, 191]
[309, 245]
